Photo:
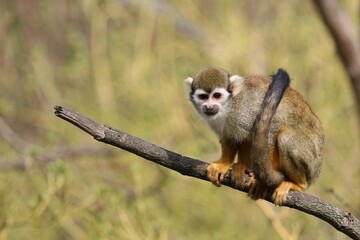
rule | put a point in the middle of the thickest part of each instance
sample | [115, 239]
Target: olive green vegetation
[123, 63]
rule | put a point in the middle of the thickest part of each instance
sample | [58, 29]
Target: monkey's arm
[339, 219]
[217, 170]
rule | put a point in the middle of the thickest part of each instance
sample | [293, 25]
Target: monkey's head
[211, 89]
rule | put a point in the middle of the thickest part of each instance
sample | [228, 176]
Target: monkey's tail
[260, 153]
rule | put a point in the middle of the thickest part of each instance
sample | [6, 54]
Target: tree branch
[339, 219]
[345, 39]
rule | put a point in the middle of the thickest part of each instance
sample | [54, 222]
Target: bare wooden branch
[345, 38]
[339, 219]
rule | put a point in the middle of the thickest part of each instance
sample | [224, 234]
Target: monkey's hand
[256, 190]
[238, 174]
[217, 170]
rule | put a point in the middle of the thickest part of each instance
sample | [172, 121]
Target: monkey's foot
[238, 175]
[216, 172]
[256, 190]
[249, 172]
[281, 192]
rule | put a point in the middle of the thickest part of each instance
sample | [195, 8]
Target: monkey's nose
[211, 110]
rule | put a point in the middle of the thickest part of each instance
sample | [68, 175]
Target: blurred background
[123, 63]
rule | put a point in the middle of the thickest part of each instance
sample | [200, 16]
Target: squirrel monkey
[269, 125]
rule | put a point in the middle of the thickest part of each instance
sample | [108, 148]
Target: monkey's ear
[235, 82]
[189, 81]
[188, 86]
[235, 78]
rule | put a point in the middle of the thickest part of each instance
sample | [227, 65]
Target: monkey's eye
[217, 95]
[203, 96]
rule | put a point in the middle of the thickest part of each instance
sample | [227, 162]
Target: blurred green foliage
[123, 63]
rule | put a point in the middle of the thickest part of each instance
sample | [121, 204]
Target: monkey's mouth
[210, 112]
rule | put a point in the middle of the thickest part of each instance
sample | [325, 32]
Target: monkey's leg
[217, 170]
[294, 158]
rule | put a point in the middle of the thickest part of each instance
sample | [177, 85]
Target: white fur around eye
[197, 93]
[200, 91]
[224, 93]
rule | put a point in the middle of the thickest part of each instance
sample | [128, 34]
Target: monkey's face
[211, 90]
[210, 104]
